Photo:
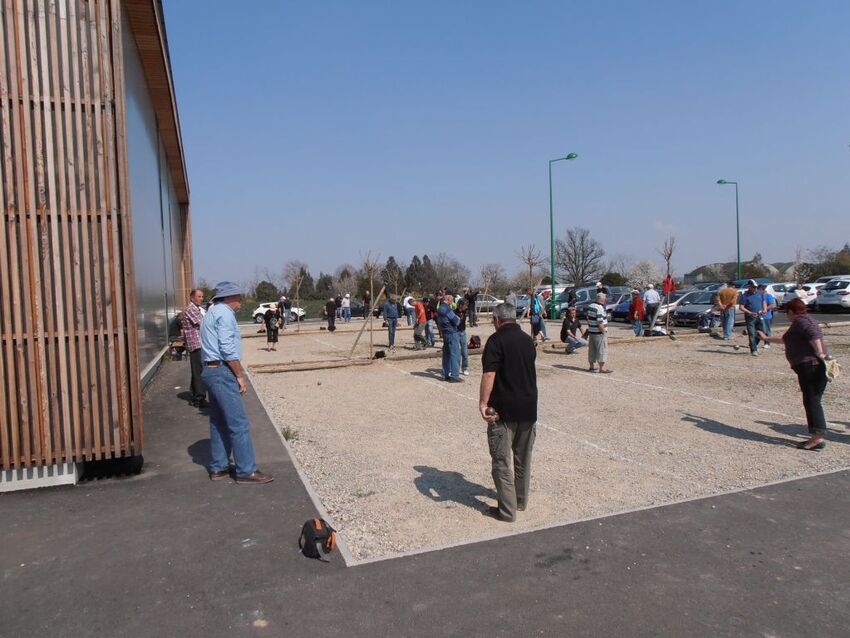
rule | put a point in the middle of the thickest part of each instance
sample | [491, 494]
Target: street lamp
[723, 182]
[570, 156]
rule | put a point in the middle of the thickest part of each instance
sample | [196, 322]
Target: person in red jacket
[637, 311]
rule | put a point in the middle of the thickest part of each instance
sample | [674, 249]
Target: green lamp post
[724, 182]
[570, 156]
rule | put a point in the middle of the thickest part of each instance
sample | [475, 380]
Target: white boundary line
[317, 503]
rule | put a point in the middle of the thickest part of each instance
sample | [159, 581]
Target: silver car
[694, 306]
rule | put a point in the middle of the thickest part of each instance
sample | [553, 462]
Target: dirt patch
[390, 446]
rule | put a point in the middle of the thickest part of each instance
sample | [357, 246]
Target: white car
[779, 291]
[260, 312]
[807, 292]
[486, 303]
[835, 294]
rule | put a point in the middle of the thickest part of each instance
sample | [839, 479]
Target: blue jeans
[767, 328]
[637, 326]
[429, 333]
[728, 322]
[543, 328]
[574, 343]
[230, 431]
[754, 322]
[451, 356]
[410, 313]
[346, 313]
[463, 350]
[391, 324]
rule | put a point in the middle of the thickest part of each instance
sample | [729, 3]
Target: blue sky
[321, 130]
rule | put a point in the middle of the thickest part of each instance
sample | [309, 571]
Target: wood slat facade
[69, 354]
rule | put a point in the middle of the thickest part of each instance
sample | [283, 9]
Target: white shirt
[406, 302]
[651, 296]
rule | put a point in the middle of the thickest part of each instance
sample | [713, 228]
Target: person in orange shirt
[727, 298]
[419, 323]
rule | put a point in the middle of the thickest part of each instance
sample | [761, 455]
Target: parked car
[521, 303]
[584, 296]
[807, 292]
[692, 307]
[778, 291]
[294, 313]
[621, 310]
[742, 283]
[486, 303]
[712, 286]
[835, 295]
[676, 298]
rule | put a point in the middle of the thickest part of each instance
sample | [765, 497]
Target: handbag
[833, 369]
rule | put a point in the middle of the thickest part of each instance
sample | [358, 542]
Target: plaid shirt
[190, 321]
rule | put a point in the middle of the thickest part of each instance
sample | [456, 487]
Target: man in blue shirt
[769, 307]
[753, 306]
[221, 352]
[391, 317]
[449, 322]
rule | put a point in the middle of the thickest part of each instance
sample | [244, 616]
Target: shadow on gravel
[715, 427]
[728, 351]
[802, 431]
[561, 366]
[442, 486]
[200, 452]
[430, 373]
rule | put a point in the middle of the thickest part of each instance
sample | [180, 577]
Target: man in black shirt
[571, 332]
[508, 403]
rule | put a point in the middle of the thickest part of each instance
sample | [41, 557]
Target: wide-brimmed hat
[227, 289]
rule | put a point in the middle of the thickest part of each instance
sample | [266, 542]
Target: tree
[666, 251]
[493, 276]
[266, 291]
[620, 265]
[534, 261]
[345, 279]
[644, 273]
[429, 275]
[579, 257]
[414, 278]
[754, 268]
[450, 273]
[392, 276]
[614, 279]
[324, 286]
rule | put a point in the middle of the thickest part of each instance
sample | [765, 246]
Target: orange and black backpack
[317, 538]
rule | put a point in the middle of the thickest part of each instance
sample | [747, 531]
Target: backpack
[474, 342]
[317, 538]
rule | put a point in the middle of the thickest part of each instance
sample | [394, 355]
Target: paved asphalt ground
[168, 553]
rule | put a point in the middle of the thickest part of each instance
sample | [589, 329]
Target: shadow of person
[716, 427]
[430, 373]
[801, 430]
[730, 350]
[200, 452]
[185, 396]
[442, 486]
[561, 366]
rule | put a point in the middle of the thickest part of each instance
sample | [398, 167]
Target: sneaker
[766, 346]
[454, 380]
[755, 353]
[466, 373]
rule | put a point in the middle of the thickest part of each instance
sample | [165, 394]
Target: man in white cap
[346, 308]
[230, 430]
[651, 299]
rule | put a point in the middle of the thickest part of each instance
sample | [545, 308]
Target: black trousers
[812, 378]
[198, 388]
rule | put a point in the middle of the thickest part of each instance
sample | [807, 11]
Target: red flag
[669, 285]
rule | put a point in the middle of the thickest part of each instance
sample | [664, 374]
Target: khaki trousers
[511, 441]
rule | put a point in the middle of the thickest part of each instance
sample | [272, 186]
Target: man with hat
[753, 306]
[651, 301]
[221, 351]
[190, 321]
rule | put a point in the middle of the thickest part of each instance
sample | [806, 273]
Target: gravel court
[400, 461]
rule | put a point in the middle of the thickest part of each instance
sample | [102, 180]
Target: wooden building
[95, 240]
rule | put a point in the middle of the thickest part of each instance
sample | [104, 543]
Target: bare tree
[371, 268]
[449, 272]
[492, 275]
[534, 261]
[293, 274]
[580, 257]
[666, 251]
[621, 265]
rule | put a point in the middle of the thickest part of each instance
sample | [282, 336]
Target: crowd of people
[508, 388]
